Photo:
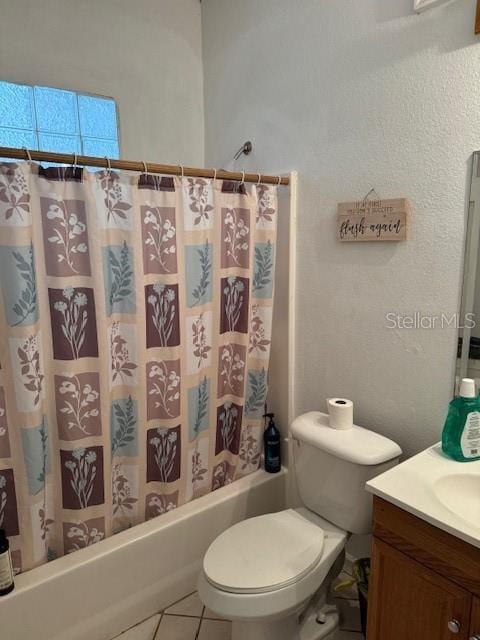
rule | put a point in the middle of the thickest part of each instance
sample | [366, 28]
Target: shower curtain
[135, 326]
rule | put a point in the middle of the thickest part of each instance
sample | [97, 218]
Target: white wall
[355, 94]
[146, 54]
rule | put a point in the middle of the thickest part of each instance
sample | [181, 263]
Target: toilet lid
[264, 553]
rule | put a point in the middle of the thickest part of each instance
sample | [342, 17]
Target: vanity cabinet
[475, 620]
[425, 583]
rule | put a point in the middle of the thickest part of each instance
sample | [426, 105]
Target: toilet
[271, 574]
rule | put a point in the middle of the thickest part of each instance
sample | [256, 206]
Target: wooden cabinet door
[409, 602]
[475, 620]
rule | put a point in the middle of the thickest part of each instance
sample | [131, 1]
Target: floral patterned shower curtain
[135, 320]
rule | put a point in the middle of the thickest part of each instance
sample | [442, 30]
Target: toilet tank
[332, 466]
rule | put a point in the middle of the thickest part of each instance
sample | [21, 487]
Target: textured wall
[356, 94]
[146, 54]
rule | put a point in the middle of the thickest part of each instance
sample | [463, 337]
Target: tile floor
[189, 620]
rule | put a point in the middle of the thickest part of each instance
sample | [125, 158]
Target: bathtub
[100, 591]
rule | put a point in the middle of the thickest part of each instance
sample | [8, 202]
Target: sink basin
[460, 493]
[437, 489]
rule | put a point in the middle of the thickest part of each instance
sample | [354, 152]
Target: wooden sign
[373, 220]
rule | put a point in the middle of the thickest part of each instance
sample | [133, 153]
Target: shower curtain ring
[74, 161]
[259, 179]
[145, 168]
[29, 155]
[214, 174]
[182, 170]
[279, 181]
[243, 178]
[109, 165]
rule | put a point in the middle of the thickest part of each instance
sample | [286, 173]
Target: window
[57, 120]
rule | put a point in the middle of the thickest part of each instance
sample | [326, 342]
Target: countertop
[436, 489]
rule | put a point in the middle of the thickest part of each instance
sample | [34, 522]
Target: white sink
[437, 489]
[460, 492]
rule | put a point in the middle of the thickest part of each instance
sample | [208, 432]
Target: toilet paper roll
[340, 413]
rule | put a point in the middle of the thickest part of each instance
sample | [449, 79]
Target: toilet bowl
[261, 572]
[271, 574]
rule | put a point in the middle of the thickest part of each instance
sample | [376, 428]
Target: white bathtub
[98, 592]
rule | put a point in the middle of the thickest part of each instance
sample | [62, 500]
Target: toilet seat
[265, 553]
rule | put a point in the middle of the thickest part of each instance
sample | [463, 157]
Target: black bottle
[6, 570]
[271, 439]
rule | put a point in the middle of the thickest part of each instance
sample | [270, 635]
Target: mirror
[468, 355]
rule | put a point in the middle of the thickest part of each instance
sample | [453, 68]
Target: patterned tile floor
[189, 620]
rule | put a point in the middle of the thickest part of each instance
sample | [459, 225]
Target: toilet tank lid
[356, 445]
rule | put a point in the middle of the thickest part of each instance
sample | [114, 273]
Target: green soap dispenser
[461, 433]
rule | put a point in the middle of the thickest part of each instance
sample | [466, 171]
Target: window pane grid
[82, 152]
[58, 120]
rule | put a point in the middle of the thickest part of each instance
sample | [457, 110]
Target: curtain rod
[146, 167]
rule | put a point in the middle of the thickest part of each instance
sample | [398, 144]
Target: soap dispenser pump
[271, 439]
[461, 433]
